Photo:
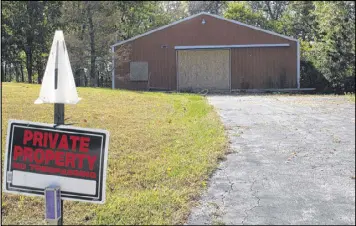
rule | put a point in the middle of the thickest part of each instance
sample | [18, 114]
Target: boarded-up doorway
[203, 69]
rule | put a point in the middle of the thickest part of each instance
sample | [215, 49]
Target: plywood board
[203, 69]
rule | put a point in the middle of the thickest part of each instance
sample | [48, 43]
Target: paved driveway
[292, 161]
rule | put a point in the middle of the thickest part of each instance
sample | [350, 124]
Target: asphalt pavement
[291, 161]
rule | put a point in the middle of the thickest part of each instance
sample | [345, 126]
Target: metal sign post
[59, 120]
[53, 206]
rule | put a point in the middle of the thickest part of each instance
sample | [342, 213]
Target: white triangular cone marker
[58, 68]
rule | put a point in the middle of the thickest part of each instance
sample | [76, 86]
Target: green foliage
[214, 7]
[9, 44]
[175, 10]
[334, 54]
[327, 34]
[350, 97]
[242, 11]
[299, 20]
[272, 10]
[326, 31]
[27, 27]
[144, 16]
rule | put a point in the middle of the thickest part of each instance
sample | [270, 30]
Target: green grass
[163, 147]
[350, 96]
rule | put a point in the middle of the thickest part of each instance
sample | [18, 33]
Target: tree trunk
[17, 72]
[29, 65]
[5, 71]
[2, 72]
[29, 39]
[270, 12]
[82, 78]
[11, 70]
[98, 79]
[22, 77]
[93, 80]
[40, 72]
[216, 7]
[43, 44]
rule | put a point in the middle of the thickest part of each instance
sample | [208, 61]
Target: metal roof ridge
[198, 14]
[158, 29]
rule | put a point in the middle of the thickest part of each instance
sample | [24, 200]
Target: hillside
[162, 149]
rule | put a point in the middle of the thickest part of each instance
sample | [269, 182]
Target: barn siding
[262, 68]
[162, 61]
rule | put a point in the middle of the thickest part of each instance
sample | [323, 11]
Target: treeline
[90, 27]
[326, 30]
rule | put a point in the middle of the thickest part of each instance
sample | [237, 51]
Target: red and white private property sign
[39, 155]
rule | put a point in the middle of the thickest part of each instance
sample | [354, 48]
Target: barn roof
[208, 14]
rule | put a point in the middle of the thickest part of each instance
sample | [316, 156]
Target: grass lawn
[163, 147]
[350, 96]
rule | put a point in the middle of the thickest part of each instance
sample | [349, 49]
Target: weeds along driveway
[292, 161]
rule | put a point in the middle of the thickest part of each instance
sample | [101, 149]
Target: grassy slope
[350, 96]
[162, 149]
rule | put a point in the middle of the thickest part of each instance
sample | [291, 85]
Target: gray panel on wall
[138, 71]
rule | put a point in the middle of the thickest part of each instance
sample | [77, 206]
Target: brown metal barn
[205, 51]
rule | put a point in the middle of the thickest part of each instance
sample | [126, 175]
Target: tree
[273, 10]
[88, 34]
[30, 26]
[175, 10]
[214, 7]
[334, 54]
[142, 16]
[243, 12]
[10, 51]
[48, 22]
[94, 26]
[299, 21]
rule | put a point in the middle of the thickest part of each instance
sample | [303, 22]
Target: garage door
[203, 69]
